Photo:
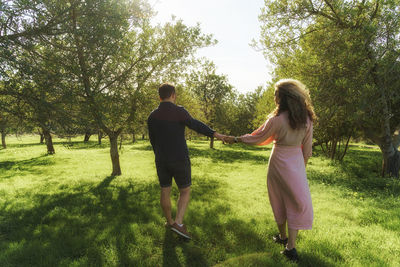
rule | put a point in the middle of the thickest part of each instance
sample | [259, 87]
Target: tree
[116, 59]
[211, 89]
[34, 80]
[3, 129]
[22, 19]
[264, 106]
[347, 53]
[99, 54]
[236, 114]
[11, 119]
[30, 72]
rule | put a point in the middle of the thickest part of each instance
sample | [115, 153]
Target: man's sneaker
[180, 230]
[277, 239]
[291, 254]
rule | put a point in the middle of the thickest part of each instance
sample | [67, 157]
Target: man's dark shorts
[180, 170]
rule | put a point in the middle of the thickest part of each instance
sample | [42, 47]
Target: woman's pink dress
[288, 189]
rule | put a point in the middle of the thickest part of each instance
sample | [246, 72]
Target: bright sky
[234, 23]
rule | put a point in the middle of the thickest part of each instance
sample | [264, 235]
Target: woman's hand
[229, 139]
[219, 136]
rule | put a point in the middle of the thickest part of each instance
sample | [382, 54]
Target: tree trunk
[3, 138]
[212, 142]
[133, 138]
[345, 149]
[391, 156]
[391, 161]
[41, 136]
[87, 137]
[114, 154]
[99, 137]
[49, 141]
[333, 151]
[120, 141]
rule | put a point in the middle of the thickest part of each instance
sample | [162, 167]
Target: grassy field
[65, 209]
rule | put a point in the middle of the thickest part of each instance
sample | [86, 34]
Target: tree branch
[333, 10]
[375, 11]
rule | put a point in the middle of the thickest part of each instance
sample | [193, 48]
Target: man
[167, 136]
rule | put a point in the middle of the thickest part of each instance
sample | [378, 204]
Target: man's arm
[151, 131]
[197, 125]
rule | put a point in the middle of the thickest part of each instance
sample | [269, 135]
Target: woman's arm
[264, 135]
[307, 143]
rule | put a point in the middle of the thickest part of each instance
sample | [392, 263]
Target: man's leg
[165, 201]
[184, 196]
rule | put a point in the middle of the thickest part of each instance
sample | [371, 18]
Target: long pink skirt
[288, 189]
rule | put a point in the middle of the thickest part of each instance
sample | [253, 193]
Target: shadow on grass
[26, 145]
[81, 225]
[227, 155]
[24, 167]
[108, 224]
[214, 237]
[359, 175]
[193, 255]
[67, 144]
[143, 147]
[83, 145]
[265, 259]
[360, 172]
[118, 225]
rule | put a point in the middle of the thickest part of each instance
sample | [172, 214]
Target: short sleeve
[264, 135]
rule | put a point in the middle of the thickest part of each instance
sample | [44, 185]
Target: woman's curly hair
[292, 96]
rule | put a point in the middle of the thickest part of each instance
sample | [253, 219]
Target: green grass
[65, 209]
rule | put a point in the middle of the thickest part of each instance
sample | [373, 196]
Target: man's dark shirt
[167, 131]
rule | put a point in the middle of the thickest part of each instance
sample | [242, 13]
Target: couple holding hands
[290, 127]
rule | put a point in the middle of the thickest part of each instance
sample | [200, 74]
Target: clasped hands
[225, 138]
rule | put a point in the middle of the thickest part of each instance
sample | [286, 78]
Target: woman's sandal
[277, 239]
[291, 254]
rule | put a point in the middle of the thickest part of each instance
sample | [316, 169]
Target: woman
[290, 127]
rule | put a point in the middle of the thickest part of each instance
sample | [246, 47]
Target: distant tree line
[92, 67]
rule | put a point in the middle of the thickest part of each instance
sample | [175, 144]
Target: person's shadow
[170, 257]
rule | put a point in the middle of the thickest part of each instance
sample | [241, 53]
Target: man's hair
[166, 90]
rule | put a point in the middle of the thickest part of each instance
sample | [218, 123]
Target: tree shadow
[25, 145]
[75, 225]
[323, 248]
[309, 259]
[360, 172]
[213, 238]
[80, 145]
[86, 222]
[190, 252]
[227, 156]
[142, 147]
[234, 151]
[67, 144]
[215, 234]
[107, 224]
[359, 176]
[25, 167]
